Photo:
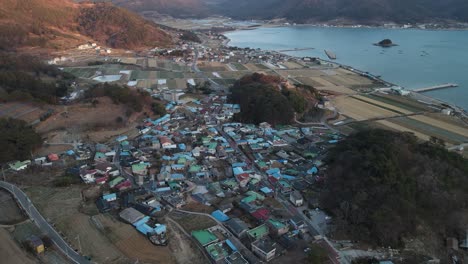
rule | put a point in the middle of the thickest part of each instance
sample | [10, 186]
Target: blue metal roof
[220, 216]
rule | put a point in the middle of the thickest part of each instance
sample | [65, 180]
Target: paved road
[45, 227]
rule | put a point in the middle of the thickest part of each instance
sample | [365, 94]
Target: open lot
[10, 213]
[191, 222]
[62, 207]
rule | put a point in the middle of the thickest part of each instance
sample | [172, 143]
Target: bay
[422, 58]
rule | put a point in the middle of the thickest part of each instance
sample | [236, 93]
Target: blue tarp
[266, 190]
[237, 170]
[109, 197]
[220, 216]
[231, 245]
[313, 170]
[273, 171]
[239, 164]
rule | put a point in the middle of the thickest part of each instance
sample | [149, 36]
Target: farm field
[463, 131]
[24, 111]
[10, 252]
[359, 110]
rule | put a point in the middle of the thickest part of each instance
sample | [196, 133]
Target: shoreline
[461, 110]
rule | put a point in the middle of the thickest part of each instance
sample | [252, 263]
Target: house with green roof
[277, 228]
[212, 147]
[195, 168]
[204, 237]
[258, 232]
[230, 183]
[116, 181]
[19, 165]
[256, 194]
[99, 156]
[249, 199]
[140, 168]
[217, 251]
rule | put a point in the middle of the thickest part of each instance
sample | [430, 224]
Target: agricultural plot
[181, 83]
[147, 83]
[23, 111]
[225, 82]
[139, 75]
[128, 60]
[399, 101]
[396, 127]
[384, 105]
[430, 130]
[360, 110]
[238, 66]
[82, 72]
[292, 65]
[172, 84]
[233, 74]
[462, 131]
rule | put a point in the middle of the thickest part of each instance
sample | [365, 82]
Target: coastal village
[250, 191]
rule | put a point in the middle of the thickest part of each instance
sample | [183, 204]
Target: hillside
[358, 11]
[379, 180]
[61, 24]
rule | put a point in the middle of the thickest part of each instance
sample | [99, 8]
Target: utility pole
[3, 172]
[79, 243]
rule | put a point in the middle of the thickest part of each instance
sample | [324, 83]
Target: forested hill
[360, 11]
[267, 98]
[384, 186]
[62, 24]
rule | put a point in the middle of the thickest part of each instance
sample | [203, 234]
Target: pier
[295, 49]
[436, 87]
[330, 54]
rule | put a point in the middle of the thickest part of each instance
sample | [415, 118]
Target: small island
[386, 43]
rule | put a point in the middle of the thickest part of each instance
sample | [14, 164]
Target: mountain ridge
[62, 24]
[304, 11]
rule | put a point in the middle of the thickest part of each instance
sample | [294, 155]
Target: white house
[296, 198]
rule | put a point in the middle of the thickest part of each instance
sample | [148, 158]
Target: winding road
[45, 227]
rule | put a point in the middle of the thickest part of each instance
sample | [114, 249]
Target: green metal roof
[212, 145]
[139, 167]
[217, 251]
[195, 168]
[204, 237]
[99, 155]
[249, 199]
[256, 194]
[231, 183]
[115, 181]
[277, 224]
[18, 164]
[258, 232]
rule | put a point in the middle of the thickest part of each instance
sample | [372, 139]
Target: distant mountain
[60, 24]
[362, 11]
[353, 10]
[176, 8]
